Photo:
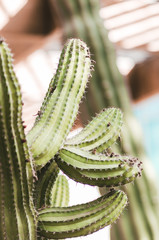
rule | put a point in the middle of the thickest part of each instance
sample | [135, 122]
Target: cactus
[101, 132]
[81, 19]
[59, 194]
[81, 219]
[30, 187]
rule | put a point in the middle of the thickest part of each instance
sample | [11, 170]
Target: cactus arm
[55, 82]
[58, 194]
[59, 113]
[17, 211]
[46, 177]
[81, 220]
[100, 133]
[98, 170]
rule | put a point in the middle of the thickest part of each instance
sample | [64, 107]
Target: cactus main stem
[107, 88]
[17, 214]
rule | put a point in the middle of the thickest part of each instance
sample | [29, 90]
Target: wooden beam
[23, 44]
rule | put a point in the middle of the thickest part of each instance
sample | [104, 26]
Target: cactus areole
[33, 196]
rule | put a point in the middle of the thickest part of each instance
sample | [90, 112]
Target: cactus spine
[30, 188]
[81, 19]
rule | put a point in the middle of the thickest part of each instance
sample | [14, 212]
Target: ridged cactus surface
[101, 132]
[60, 106]
[59, 194]
[46, 180]
[33, 196]
[82, 219]
[98, 169]
[81, 19]
[16, 179]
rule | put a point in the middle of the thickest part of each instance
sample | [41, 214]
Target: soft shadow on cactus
[33, 196]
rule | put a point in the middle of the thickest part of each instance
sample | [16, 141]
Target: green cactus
[81, 19]
[82, 219]
[59, 194]
[30, 188]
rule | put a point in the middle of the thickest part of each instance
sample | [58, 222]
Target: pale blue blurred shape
[147, 112]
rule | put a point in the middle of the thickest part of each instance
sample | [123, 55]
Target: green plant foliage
[33, 197]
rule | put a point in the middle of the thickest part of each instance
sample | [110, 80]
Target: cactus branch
[100, 133]
[46, 178]
[81, 220]
[60, 108]
[58, 194]
[98, 169]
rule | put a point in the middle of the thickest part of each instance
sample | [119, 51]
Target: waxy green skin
[78, 220]
[100, 133]
[30, 189]
[81, 19]
[59, 110]
[17, 213]
[98, 169]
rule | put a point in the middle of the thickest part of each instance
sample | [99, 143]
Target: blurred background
[35, 33]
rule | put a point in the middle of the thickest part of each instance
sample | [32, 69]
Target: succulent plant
[33, 196]
[81, 19]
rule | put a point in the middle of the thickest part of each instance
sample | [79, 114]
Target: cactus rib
[16, 178]
[81, 220]
[61, 108]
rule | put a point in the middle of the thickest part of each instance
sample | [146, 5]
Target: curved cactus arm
[81, 220]
[98, 169]
[58, 193]
[46, 178]
[17, 214]
[100, 133]
[60, 107]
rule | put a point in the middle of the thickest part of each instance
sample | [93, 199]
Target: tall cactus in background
[81, 19]
[33, 197]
